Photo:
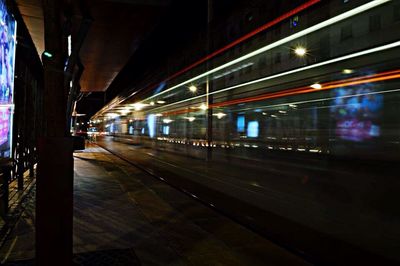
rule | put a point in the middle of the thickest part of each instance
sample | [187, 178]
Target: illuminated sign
[7, 65]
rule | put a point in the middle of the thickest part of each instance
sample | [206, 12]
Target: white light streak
[328, 62]
[316, 86]
[329, 99]
[219, 115]
[167, 121]
[190, 118]
[347, 71]
[112, 115]
[285, 40]
[203, 106]
[139, 106]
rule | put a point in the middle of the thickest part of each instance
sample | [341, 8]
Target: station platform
[124, 216]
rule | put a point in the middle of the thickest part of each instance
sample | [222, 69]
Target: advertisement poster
[7, 65]
[357, 112]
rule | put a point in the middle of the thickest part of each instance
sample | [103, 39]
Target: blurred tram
[321, 101]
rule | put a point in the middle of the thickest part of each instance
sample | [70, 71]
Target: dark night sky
[177, 29]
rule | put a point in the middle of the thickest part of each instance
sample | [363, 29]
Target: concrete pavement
[123, 216]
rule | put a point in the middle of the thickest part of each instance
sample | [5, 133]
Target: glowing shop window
[252, 129]
[240, 124]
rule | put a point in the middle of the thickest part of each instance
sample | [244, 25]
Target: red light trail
[388, 75]
[236, 42]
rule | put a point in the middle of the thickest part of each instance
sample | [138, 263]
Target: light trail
[388, 75]
[307, 89]
[285, 40]
[240, 40]
[320, 100]
[266, 26]
[328, 62]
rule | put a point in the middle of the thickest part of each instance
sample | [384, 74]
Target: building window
[248, 43]
[263, 35]
[396, 12]
[232, 33]
[231, 52]
[249, 17]
[249, 69]
[324, 47]
[277, 59]
[374, 23]
[262, 61]
[346, 32]
[278, 31]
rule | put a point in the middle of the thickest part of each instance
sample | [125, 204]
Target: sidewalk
[123, 216]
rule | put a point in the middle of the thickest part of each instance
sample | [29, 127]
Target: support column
[54, 197]
[209, 121]
[209, 98]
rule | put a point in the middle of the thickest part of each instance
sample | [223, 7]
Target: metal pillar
[209, 113]
[54, 197]
[209, 98]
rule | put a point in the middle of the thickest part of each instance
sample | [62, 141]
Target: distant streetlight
[167, 120]
[193, 88]
[191, 118]
[300, 51]
[316, 86]
[139, 106]
[219, 115]
[347, 71]
[203, 106]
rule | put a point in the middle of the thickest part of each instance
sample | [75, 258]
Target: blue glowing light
[49, 55]
[166, 130]
[151, 123]
[240, 123]
[252, 129]
[160, 87]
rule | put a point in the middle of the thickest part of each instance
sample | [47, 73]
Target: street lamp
[193, 88]
[300, 51]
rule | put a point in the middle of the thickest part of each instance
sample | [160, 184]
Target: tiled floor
[119, 207]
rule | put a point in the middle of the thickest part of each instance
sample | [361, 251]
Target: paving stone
[115, 257]
[123, 216]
